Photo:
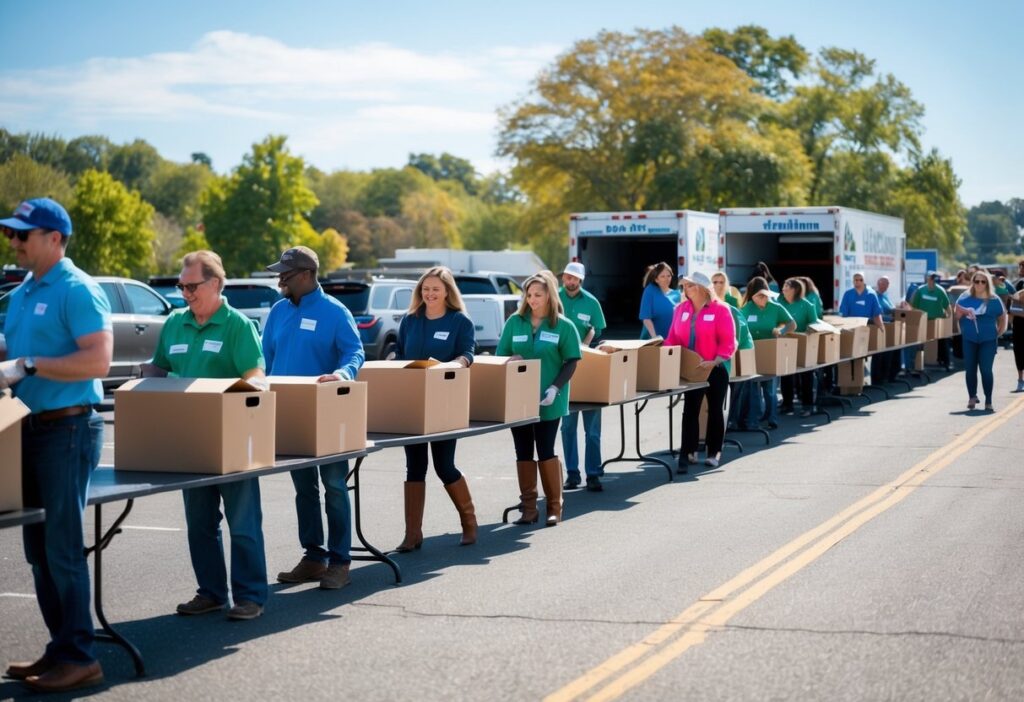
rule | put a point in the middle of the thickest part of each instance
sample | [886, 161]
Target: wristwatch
[30, 365]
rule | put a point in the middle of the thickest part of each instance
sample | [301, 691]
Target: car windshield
[474, 286]
[354, 296]
[243, 297]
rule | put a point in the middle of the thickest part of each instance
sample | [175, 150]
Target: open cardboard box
[854, 342]
[744, 363]
[503, 390]
[776, 356]
[915, 323]
[850, 376]
[604, 377]
[894, 333]
[658, 366]
[876, 339]
[416, 397]
[12, 411]
[319, 419]
[941, 328]
[807, 348]
[689, 366]
[193, 425]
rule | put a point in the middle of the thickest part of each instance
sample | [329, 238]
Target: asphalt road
[875, 558]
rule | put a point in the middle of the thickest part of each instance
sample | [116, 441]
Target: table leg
[375, 553]
[107, 632]
[640, 456]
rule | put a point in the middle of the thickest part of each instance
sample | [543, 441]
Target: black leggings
[1018, 342]
[542, 435]
[444, 462]
[718, 386]
[804, 382]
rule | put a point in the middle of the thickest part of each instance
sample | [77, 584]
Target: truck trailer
[616, 248]
[827, 244]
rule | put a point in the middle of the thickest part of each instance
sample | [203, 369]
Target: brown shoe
[66, 676]
[463, 501]
[20, 671]
[415, 498]
[244, 609]
[551, 483]
[199, 605]
[336, 577]
[527, 473]
[306, 571]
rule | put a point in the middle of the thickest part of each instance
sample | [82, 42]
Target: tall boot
[415, 496]
[551, 481]
[527, 492]
[463, 501]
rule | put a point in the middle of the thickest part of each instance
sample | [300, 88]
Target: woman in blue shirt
[436, 326]
[656, 306]
[982, 321]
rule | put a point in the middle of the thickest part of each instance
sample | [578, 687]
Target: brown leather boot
[463, 501]
[551, 481]
[527, 492]
[415, 496]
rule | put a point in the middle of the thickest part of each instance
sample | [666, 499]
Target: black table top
[382, 441]
[21, 517]
[639, 397]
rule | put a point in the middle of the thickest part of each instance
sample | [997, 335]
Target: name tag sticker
[441, 335]
[177, 348]
[583, 317]
[520, 339]
[862, 302]
[40, 308]
[212, 346]
[684, 316]
[307, 324]
[752, 318]
[931, 298]
[709, 318]
[549, 337]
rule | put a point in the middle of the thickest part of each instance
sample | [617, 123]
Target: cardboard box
[503, 390]
[12, 411]
[915, 323]
[604, 377]
[850, 376]
[853, 342]
[744, 363]
[845, 322]
[416, 397]
[894, 333]
[807, 348]
[828, 348]
[318, 419]
[931, 353]
[193, 425]
[658, 367]
[876, 339]
[776, 356]
[941, 328]
[689, 367]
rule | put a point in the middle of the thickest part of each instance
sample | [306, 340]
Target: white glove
[259, 383]
[549, 396]
[10, 373]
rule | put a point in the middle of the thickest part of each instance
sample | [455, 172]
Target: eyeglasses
[981, 280]
[191, 288]
[285, 277]
[22, 234]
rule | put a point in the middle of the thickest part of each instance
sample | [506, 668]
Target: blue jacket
[445, 338]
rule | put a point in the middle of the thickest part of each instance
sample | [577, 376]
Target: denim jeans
[770, 399]
[58, 459]
[592, 442]
[979, 355]
[206, 546]
[337, 508]
[747, 406]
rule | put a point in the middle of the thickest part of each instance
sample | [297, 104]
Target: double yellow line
[638, 662]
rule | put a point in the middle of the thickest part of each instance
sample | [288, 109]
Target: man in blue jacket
[310, 333]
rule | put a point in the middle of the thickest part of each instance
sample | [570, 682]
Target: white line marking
[147, 528]
[17, 594]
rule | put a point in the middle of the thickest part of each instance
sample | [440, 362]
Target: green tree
[385, 189]
[202, 159]
[773, 63]
[134, 164]
[174, 189]
[447, 167]
[168, 238]
[194, 240]
[21, 178]
[993, 231]
[113, 232]
[926, 197]
[433, 218]
[87, 153]
[262, 209]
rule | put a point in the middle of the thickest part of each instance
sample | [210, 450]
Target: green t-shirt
[731, 299]
[584, 311]
[935, 301]
[802, 311]
[815, 299]
[1002, 289]
[552, 346]
[227, 346]
[762, 321]
[743, 338]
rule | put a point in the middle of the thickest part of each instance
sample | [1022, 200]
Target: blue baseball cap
[40, 213]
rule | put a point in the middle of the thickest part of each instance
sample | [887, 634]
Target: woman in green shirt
[812, 295]
[766, 319]
[539, 331]
[803, 313]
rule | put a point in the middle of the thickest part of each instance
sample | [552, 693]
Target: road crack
[910, 633]
[406, 611]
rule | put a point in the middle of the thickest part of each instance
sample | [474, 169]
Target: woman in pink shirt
[704, 324]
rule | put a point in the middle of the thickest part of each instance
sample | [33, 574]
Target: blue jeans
[206, 547]
[58, 459]
[336, 507]
[592, 441]
[979, 355]
[770, 402]
[747, 405]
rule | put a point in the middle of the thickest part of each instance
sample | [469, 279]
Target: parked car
[167, 286]
[485, 283]
[388, 302]
[253, 297]
[355, 295]
[138, 314]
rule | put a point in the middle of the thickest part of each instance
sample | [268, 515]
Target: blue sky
[361, 85]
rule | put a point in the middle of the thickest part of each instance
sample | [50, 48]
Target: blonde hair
[725, 288]
[988, 283]
[209, 262]
[453, 301]
[550, 283]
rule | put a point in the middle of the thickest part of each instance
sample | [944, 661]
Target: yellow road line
[817, 541]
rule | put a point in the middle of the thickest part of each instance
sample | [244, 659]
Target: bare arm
[649, 326]
[91, 360]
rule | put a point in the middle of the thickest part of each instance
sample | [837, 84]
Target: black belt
[51, 415]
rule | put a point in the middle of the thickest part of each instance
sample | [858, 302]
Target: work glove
[10, 373]
[549, 396]
[259, 383]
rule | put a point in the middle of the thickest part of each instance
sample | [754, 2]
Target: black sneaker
[786, 409]
[572, 481]
[594, 484]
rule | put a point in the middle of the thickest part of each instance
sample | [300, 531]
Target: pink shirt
[716, 330]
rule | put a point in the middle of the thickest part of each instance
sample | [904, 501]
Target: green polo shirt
[584, 311]
[762, 321]
[802, 311]
[227, 346]
[935, 301]
[552, 346]
[731, 299]
[815, 299]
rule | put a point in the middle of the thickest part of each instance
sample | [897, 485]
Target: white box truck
[616, 248]
[828, 244]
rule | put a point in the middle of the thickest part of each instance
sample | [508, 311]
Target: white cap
[575, 268]
[698, 278]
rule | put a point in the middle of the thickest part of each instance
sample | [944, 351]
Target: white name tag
[930, 298]
[684, 316]
[549, 337]
[583, 317]
[441, 336]
[862, 302]
[520, 339]
[40, 308]
[177, 348]
[709, 318]
[752, 318]
[307, 324]
[212, 346]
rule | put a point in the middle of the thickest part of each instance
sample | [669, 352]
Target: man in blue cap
[59, 342]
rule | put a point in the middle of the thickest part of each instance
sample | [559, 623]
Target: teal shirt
[552, 346]
[802, 311]
[743, 338]
[762, 321]
[227, 346]
[815, 300]
[45, 318]
[584, 311]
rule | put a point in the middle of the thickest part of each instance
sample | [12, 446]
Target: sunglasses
[191, 288]
[22, 234]
[982, 281]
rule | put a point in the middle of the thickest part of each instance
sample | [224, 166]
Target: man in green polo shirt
[584, 311]
[932, 299]
[211, 339]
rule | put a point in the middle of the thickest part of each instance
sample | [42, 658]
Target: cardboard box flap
[12, 410]
[495, 360]
[822, 328]
[631, 344]
[295, 380]
[845, 322]
[215, 386]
